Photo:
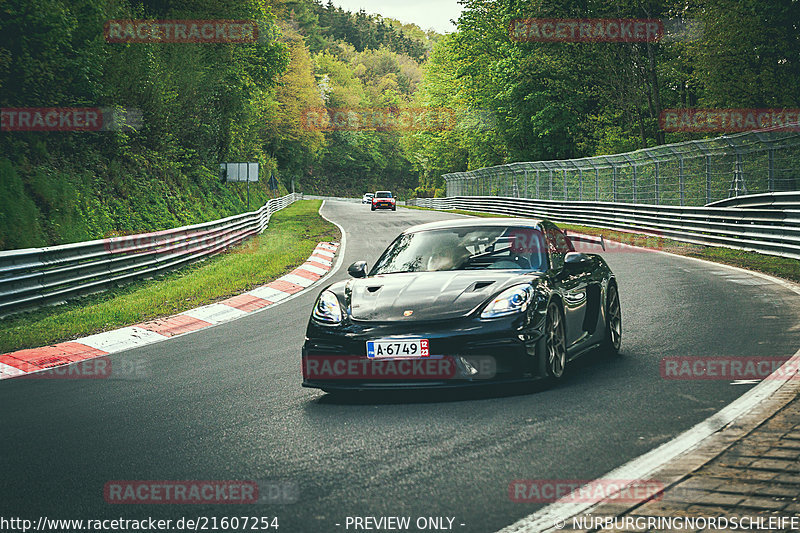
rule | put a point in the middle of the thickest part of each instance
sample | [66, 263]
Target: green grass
[292, 235]
[781, 267]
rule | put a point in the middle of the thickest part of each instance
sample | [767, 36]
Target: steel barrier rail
[783, 200]
[34, 276]
[771, 230]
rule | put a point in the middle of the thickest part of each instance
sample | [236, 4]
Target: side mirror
[358, 269]
[575, 259]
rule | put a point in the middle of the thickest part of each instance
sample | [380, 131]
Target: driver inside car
[449, 254]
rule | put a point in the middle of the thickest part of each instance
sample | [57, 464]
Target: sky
[426, 14]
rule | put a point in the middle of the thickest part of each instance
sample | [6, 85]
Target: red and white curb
[38, 359]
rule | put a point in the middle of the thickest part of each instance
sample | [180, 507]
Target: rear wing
[600, 241]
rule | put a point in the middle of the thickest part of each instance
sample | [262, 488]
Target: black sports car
[463, 302]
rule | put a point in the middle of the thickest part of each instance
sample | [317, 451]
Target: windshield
[476, 248]
[384, 195]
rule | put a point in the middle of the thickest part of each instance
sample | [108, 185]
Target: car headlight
[327, 309]
[508, 302]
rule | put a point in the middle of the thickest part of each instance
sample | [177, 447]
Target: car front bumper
[463, 352]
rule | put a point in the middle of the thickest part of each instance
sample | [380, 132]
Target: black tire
[394, 208]
[555, 343]
[372, 207]
[613, 337]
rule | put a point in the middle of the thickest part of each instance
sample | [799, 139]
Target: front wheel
[372, 207]
[613, 337]
[394, 208]
[555, 343]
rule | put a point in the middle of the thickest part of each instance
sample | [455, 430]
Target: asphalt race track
[226, 404]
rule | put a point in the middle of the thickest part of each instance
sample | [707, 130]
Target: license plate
[396, 348]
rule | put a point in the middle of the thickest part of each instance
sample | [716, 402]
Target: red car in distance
[383, 200]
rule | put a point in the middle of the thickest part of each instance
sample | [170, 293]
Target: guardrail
[770, 229]
[34, 276]
[781, 200]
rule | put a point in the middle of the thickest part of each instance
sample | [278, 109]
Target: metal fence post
[537, 184]
[526, 183]
[708, 179]
[635, 171]
[656, 183]
[597, 185]
[614, 182]
[771, 177]
[740, 184]
[580, 184]
[551, 184]
[680, 178]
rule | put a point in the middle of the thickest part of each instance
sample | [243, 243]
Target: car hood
[427, 295]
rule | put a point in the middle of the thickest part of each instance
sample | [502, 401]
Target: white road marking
[215, 313]
[121, 339]
[270, 294]
[320, 260]
[297, 280]
[313, 269]
[8, 371]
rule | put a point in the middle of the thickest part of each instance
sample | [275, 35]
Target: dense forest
[202, 104]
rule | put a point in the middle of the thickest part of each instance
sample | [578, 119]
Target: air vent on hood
[374, 289]
[479, 285]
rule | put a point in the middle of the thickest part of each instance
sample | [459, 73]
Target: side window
[569, 247]
[558, 245]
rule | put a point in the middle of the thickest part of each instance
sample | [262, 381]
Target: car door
[571, 283]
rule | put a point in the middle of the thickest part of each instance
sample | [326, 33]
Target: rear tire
[613, 337]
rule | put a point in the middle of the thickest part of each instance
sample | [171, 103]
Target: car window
[384, 195]
[477, 248]
[558, 245]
